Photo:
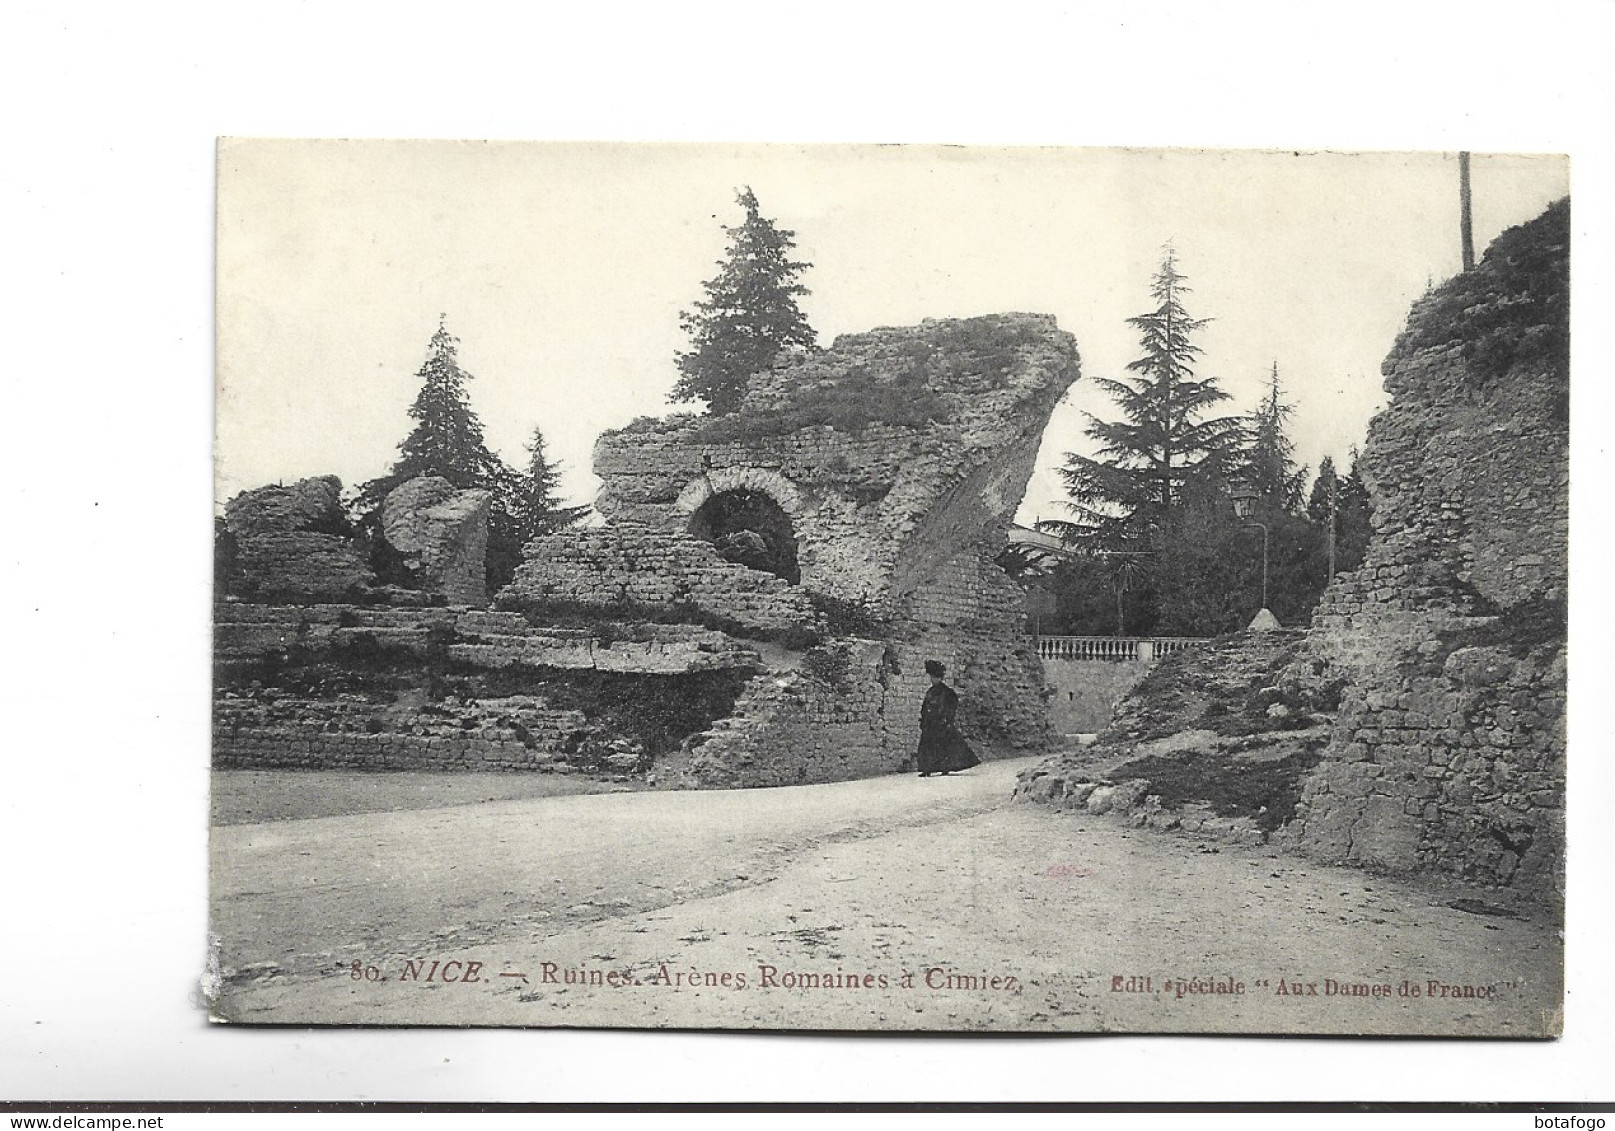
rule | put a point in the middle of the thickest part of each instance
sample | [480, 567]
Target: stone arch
[750, 528]
[715, 481]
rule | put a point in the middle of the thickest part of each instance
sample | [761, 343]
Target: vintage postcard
[897, 588]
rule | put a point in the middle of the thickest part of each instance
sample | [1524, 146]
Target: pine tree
[447, 439]
[1144, 460]
[1351, 511]
[538, 508]
[749, 314]
[1325, 494]
[1270, 459]
[1354, 515]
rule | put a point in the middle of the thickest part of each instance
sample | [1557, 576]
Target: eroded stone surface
[1449, 750]
[291, 543]
[446, 530]
[892, 464]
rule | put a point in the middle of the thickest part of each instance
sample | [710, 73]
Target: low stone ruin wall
[353, 687]
[620, 569]
[288, 732]
[826, 722]
[482, 638]
[301, 566]
[291, 543]
[1085, 692]
[1448, 754]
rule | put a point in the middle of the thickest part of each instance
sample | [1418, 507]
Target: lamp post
[1244, 500]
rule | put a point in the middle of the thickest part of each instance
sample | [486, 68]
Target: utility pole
[1465, 227]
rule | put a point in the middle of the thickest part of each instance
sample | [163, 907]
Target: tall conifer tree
[447, 439]
[749, 314]
[1325, 496]
[539, 509]
[1124, 494]
[1271, 466]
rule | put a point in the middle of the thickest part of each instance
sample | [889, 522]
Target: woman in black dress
[942, 748]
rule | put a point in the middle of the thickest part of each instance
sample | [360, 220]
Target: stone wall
[291, 543]
[318, 733]
[488, 639]
[357, 687]
[1448, 753]
[1448, 757]
[970, 616]
[445, 532]
[1085, 692]
[824, 723]
[625, 567]
[862, 493]
[294, 545]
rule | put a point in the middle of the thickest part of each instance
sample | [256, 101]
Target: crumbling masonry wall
[865, 446]
[334, 686]
[892, 463]
[292, 543]
[445, 532]
[898, 457]
[1448, 753]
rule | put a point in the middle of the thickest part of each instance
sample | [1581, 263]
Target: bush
[830, 665]
[843, 617]
[1514, 307]
[849, 406]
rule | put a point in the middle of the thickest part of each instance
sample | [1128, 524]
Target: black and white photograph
[720, 559]
[890, 588]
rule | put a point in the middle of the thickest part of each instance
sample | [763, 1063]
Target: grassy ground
[244, 796]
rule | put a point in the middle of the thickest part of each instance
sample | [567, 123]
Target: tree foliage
[447, 440]
[539, 509]
[1270, 457]
[749, 314]
[1164, 551]
[1144, 461]
[1324, 499]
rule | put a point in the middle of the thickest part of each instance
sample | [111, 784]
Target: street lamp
[1244, 502]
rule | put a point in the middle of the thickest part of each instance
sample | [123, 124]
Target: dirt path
[244, 797]
[895, 903]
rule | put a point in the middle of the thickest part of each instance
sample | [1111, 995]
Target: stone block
[446, 531]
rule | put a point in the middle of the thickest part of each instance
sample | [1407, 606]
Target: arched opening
[749, 528]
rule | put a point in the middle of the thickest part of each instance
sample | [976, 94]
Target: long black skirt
[944, 752]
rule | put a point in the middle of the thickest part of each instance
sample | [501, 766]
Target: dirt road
[893, 903]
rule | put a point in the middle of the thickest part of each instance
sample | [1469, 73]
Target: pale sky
[562, 269]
